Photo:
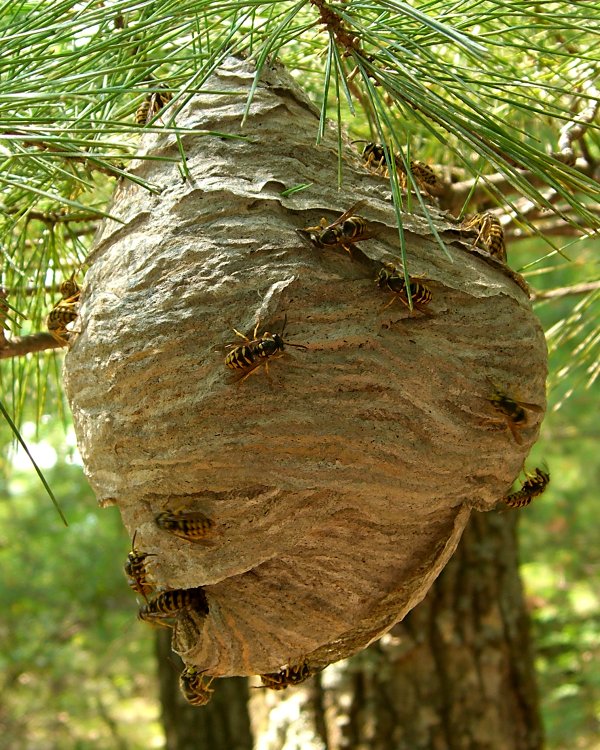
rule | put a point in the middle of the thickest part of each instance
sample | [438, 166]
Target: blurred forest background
[77, 669]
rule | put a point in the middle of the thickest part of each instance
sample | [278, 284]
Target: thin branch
[554, 229]
[90, 162]
[54, 217]
[566, 291]
[31, 290]
[336, 26]
[3, 314]
[455, 194]
[21, 345]
[78, 232]
[575, 128]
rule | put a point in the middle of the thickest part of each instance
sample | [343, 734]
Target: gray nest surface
[338, 484]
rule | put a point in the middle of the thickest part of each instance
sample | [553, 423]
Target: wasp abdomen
[192, 526]
[195, 687]
[170, 603]
[290, 675]
[534, 485]
[240, 357]
[152, 105]
[389, 278]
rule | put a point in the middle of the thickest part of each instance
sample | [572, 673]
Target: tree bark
[223, 724]
[456, 674]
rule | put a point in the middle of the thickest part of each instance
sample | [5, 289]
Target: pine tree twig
[570, 224]
[335, 25]
[575, 128]
[3, 314]
[21, 345]
[55, 217]
[90, 163]
[32, 290]
[587, 154]
[566, 291]
[554, 229]
[454, 195]
[525, 208]
[567, 210]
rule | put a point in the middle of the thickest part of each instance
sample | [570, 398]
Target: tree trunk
[223, 724]
[455, 674]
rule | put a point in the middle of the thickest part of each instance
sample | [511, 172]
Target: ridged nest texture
[340, 483]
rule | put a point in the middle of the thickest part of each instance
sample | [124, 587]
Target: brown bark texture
[338, 484]
[456, 674]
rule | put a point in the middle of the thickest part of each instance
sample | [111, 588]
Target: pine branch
[566, 291]
[3, 315]
[22, 345]
[477, 189]
[55, 217]
[575, 129]
[91, 162]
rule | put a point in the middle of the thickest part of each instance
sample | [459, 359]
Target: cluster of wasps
[343, 233]
[514, 415]
[163, 609]
[350, 228]
[65, 311]
[489, 229]
[491, 235]
[374, 158]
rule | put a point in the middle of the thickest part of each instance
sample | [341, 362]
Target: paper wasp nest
[339, 483]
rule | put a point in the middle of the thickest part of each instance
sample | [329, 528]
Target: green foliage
[475, 87]
[559, 538]
[560, 548]
[76, 666]
[23, 445]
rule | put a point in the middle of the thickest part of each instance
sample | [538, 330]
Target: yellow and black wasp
[257, 351]
[375, 161]
[391, 279]
[373, 155]
[514, 413]
[169, 604]
[532, 487]
[65, 311]
[489, 232]
[290, 675]
[70, 290]
[58, 319]
[195, 686]
[345, 230]
[193, 526]
[152, 105]
[136, 571]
